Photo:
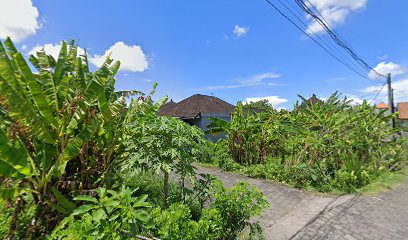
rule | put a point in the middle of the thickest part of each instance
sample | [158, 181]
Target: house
[311, 101]
[381, 106]
[402, 108]
[403, 114]
[197, 109]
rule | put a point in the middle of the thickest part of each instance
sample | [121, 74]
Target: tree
[59, 127]
[258, 106]
[164, 144]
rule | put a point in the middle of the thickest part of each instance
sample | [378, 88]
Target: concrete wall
[204, 121]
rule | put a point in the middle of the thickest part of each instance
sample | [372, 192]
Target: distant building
[197, 109]
[381, 105]
[402, 118]
[403, 113]
[311, 101]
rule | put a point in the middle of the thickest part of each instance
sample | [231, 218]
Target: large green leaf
[73, 148]
[14, 159]
[22, 110]
[64, 205]
[60, 67]
[6, 69]
[49, 86]
[35, 89]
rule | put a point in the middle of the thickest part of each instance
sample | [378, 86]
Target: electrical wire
[329, 44]
[378, 93]
[334, 35]
[318, 43]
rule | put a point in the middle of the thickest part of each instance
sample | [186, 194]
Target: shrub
[118, 215]
[111, 215]
[324, 145]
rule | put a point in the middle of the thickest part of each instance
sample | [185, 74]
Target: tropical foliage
[70, 146]
[321, 145]
[59, 127]
[164, 144]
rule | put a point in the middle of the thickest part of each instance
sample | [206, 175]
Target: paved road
[363, 217]
[296, 214]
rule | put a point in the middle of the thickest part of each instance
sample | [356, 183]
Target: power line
[329, 44]
[318, 43]
[334, 35]
[378, 93]
[401, 91]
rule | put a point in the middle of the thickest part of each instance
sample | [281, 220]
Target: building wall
[204, 121]
[404, 124]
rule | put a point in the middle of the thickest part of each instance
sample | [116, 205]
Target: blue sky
[232, 49]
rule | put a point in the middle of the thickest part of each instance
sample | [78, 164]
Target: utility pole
[390, 99]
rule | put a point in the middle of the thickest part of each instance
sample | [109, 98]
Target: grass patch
[384, 182]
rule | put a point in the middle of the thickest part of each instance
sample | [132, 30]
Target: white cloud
[52, 49]
[251, 81]
[24, 47]
[334, 12]
[240, 31]
[400, 90]
[385, 68]
[131, 57]
[274, 100]
[18, 19]
[355, 100]
[383, 57]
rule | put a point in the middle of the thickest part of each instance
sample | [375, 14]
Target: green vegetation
[79, 160]
[328, 146]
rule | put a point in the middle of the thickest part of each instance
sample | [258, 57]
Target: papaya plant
[164, 144]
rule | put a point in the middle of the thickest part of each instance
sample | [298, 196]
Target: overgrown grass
[384, 182]
[302, 176]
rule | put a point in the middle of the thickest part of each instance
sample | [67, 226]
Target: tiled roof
[403, 110]
[195, 105]
[168, 105]
[381, 105]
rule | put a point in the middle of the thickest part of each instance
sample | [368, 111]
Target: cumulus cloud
[240, 31]
[131, 57]
[18, 19]
[251, 81]
[400, 90]
[52, 49]
[355, 100]
[334, 12]
[274, 100]
[384, 68]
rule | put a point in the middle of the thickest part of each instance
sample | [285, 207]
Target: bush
[119, 215]
[331, 144]
[110, 215]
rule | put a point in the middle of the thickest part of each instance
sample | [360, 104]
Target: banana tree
[246, 142]
[59, 125]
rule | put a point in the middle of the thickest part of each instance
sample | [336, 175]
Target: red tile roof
[381, 105]
[195, 105]
[403, 110]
